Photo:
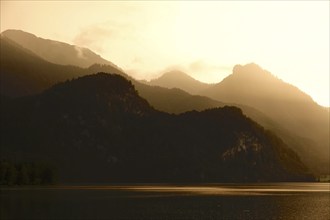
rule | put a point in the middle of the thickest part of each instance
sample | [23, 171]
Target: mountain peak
[250, 66]
[176, 73]
[251, 80]
[179, 79]
[102, 90]
[251, 70]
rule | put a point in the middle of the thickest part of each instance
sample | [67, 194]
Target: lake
[211, 201]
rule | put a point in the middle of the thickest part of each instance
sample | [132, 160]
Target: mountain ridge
[114, 135]
[55, 51]
[40, 75]
[252, 74]
[284, 103]
[17, 80]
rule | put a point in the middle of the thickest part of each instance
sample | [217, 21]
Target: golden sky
[205, 39]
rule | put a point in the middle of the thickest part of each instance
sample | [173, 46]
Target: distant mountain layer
[97, 129]
[251, 85]
[276, 105]
[174, 100]
[284, 104]
[54, 51]
[24, 73]
[181, 80]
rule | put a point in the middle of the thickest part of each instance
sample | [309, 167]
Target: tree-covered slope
[96, 128]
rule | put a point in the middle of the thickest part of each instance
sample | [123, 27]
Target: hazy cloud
[202, 70]
[100, 35]
[199, 69]
[93, 37]
[202, 66]
[80, 52]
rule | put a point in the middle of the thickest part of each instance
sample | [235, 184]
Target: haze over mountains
[286, 104]
[54, 51]
[35, 74]
[291, 111]
[292, 115]
[179, 79]
[24, 73]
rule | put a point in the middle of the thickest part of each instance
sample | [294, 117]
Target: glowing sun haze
[205, 39]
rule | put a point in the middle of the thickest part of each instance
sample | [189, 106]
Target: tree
[4, 165]
[23, 175]
[11, 175]
[48, 176]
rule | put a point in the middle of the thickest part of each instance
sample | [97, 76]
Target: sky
[205, 39]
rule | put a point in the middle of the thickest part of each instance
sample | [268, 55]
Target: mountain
[22, 73]
[174, 100]
[284, 104]
[179, 79]
[54, 51]
[97, 129]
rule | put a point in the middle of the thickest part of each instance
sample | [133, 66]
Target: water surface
[232, 201]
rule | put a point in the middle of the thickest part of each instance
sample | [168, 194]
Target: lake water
[233, 201]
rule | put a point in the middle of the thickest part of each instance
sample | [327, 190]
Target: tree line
[26, 173]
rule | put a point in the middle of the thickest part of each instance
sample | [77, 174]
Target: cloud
[202, 66]
[94, 37]
[116, 41]
[202, 70]
[80, 52]
[207, 72]
[98, 35]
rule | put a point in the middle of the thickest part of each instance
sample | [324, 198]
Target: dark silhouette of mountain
[96, 128]
[181, 80]
[54, 51]
[284, 104]
[24, 73]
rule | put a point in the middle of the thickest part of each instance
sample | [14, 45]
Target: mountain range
[283, 108]
[34, 74]
[26, 71]
[97, 128]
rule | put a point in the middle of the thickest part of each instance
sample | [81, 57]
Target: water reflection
[272, 201]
